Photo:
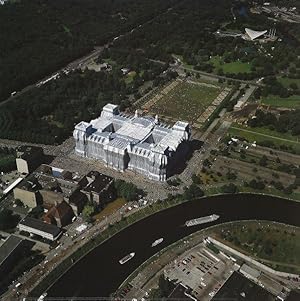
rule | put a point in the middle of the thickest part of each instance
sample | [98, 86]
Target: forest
[42, 36]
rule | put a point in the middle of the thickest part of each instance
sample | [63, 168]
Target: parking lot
[201, 270]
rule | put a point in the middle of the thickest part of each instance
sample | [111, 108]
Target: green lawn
[186, 101]
[272, 242]
[129, 77]
[277, 101]
[285, 81]
[232, 67]
[262, 134]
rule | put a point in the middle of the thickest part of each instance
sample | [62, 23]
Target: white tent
[252, 34]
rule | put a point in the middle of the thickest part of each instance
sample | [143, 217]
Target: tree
[229, 188]
[196, 179]
[87, 211]
[8, 220]
[256, 184]
[126, 190]
[19, 203]
[263, 160]
[193, 192]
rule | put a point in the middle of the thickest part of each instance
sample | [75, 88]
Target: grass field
[277, 245]
[264, 134]
[186, 101]
[285, 81]
[110, 209]
[277, 101]
[233, 67]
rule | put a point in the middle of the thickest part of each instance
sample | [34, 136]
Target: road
[265, 135]
[211, 141]
[220, 76]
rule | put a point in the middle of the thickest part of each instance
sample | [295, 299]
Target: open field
[233, 67]
[110, 209]
[285, 81]
[275, 244]
[292, 102]
[186, 101]
[263, 134]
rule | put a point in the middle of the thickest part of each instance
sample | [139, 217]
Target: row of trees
[286, 122]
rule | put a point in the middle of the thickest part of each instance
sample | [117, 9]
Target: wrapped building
[133, 142]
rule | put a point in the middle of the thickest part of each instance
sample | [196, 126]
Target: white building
[38, 227]
[141, 144]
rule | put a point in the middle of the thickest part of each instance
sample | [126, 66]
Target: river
[99, 273]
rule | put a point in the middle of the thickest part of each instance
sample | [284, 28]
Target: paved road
[220, 76]
[265, 135]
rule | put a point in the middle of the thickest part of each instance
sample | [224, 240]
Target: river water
[99, 273]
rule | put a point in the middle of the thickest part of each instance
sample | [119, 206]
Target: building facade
[38, 227]
[140, 144]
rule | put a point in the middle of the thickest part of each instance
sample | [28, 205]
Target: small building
[98, 187]
[40, 228]
[28, 192]
[125, 71]
[238, 105]
[60, 215]
[10, 252]
[28, 158]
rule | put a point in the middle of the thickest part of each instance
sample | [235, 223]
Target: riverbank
[101, 264]
[144, 280]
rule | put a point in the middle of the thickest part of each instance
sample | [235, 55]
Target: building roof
[40, 225]
[253, 34]
[247, 270]
[62, 209]
[29, 184]
[119, 131]
[98, 183]
[59, 211]
[25, 151]
[180, 293]
[10, 244]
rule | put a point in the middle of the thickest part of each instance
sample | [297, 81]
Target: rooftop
[26, 151]
[10, 244]
[253, 34]
[118, 131]
[97, 181]
[40, 225]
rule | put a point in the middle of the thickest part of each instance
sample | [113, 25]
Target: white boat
[157, 242]
[42, 297]
[126, 258]
[202, 220]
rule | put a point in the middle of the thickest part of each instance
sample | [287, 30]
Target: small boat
[126, 258]
[157, 242]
